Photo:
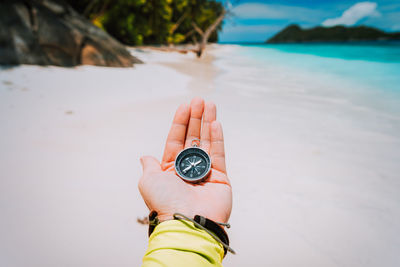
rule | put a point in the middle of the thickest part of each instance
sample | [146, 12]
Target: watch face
[193, 164]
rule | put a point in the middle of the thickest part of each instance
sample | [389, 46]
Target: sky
[258, 20]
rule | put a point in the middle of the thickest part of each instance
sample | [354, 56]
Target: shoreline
[201, 70]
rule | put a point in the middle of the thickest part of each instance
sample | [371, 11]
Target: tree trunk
[206, 34]
[178, 23]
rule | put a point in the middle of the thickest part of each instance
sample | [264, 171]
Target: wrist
[214, 229]
[165, 217]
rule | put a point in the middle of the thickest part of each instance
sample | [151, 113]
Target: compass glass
[192, 164]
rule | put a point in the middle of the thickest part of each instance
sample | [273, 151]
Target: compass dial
[193, 164]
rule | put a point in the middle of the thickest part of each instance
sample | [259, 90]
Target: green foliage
[295, 34]
[176, 38]
[137, 22]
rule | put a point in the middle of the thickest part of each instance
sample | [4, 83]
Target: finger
[217, 151]
[210, 115]
[177, 133]
[196, 113]
[150, 163]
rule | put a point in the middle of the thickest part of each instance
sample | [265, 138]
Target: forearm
[179, 243]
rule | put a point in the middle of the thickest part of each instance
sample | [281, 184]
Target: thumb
[150, 163]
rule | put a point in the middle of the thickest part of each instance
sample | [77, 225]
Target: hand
[165, 192]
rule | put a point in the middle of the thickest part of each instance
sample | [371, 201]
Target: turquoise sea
[374, 64]
[364, 72]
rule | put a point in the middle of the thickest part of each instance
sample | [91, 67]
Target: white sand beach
[314, 163]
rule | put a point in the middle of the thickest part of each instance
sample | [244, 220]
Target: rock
[50, 32]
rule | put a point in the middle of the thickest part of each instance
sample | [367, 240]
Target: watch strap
[215, 228]
[153, 221]
[211, 227]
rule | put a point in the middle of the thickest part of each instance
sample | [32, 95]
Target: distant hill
[295, 34]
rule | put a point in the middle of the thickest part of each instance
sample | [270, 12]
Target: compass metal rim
[197, 179]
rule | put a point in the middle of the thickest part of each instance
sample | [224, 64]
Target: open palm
[165, 192]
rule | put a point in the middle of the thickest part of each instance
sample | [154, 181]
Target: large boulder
[50, 32]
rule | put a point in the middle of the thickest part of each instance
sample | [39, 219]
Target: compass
[193, 164]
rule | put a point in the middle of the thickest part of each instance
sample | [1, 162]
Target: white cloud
[352, 15]
[271, 11]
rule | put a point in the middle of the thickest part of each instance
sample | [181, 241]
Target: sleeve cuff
[184, 244]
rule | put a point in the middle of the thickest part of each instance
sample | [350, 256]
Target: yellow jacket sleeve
[179, 243]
